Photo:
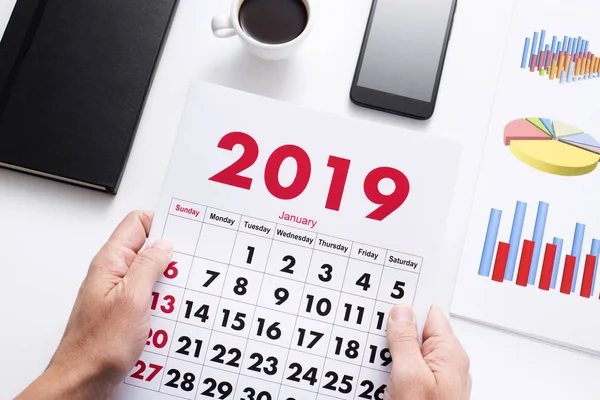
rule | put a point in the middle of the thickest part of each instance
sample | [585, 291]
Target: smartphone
[402, 56]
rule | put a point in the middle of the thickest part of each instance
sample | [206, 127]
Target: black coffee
[273, 21]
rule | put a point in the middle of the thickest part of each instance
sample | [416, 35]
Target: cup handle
[222, 27]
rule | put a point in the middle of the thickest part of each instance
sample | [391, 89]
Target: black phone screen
[404, 47]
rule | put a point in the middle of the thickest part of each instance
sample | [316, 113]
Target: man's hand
[438, 370]
[110, 321]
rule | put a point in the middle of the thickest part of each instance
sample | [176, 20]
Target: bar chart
[567, 61]
[500, 260]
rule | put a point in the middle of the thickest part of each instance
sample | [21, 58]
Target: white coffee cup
[224, 26]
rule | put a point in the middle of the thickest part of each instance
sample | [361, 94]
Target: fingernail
[402, 313]
[165, 245]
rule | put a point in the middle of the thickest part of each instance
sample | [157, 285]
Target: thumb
[403, 342]
[437, 325]
[442, 350]
[148, 265]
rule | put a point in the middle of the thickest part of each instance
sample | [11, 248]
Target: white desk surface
[49, 231]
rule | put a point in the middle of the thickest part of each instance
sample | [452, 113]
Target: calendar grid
[253, 377]
[287, 356]
[218, 306]
[277, 276]
[186, 289]
[272, 344]
[260, 287]
[204, 258]
[332, 325]
[275, 223]
[186, 284]
[370, 324]
[378, 289]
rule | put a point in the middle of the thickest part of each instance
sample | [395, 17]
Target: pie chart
[553, 147]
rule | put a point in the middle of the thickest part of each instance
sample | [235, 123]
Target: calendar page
[295, 233]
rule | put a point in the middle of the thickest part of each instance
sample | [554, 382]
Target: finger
[147, 267]
[442, 350]
[132, 232]
[403, 342]
[437, 325]
[113, 260]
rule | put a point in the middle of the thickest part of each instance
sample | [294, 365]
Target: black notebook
[74, 76]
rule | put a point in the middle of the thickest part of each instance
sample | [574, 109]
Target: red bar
[541, 60]
[588, 276]
[500, 264]
[567, 279]
[533, 62]
[548, 266]
[525, 264]
[548, 61]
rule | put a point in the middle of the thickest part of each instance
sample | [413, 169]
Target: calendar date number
[146, 372]
[158, 338]
[370, 391]
[388, 203]
[185, 381]
[166, 304]
[224, 389]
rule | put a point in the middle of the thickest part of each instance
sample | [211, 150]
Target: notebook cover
[74, 76]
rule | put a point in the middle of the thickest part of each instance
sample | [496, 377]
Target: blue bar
[563, 77]
[525, 53]
[559, 245]
[595, 252]
[491, 236]
[559, 47]
[538, 237]
[579, 43]
[515, 240]
[565, 44]
[533, 46]
[554, 39]
[586, 46]
[570, 47]
[576, 250]
[542, 40]
[570, 73]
